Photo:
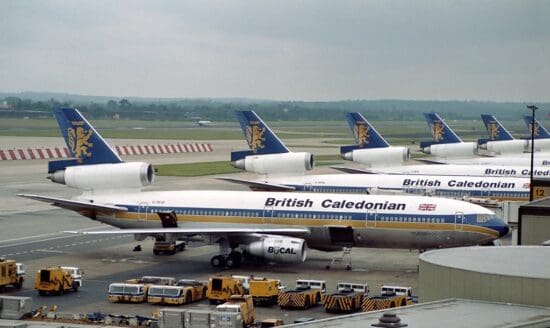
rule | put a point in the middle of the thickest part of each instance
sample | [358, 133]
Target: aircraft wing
[352, 170]
[258, 185]
[297, 232]
[75, 205]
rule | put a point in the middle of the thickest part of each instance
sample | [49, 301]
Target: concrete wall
[535, 229]
[438, 282]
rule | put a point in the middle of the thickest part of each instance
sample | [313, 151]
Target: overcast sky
[287, 50]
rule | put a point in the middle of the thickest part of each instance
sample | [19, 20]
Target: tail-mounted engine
[106, 176]
[276, 163]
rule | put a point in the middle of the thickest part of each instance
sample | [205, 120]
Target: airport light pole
[533, 108]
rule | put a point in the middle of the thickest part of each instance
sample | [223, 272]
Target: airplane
[268, 155]
[271, 226]
[450, 186]
[454, 151]
[371, 148]
[367, 157]
[201, 123]
[446, 143]
[500, 141]
[542, 136]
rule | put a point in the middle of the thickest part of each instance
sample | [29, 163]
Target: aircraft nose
[503, 230]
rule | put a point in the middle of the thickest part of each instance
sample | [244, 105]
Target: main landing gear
[232, 260]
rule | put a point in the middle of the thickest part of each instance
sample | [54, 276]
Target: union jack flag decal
[426, 207]
[526, 185]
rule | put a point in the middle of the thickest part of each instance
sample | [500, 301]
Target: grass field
[395, 132]
[223, 167]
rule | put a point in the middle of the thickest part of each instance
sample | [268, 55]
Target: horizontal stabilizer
[258, 185]
[347, 149]
[237, 155]
[75, 205]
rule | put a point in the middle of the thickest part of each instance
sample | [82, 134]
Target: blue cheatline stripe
[438, 191]
[304, 214]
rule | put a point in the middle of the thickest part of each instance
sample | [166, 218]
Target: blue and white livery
[275, 226]
[446, 143]
[371, 149]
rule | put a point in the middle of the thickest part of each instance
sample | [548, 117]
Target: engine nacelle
[106, 176]
[276, 163]
[279, 249]
[378, 156]
[505, 146]
[451, 149]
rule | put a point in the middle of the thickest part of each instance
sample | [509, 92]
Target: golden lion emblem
[78, 142]
[362, 134]
[438, 131]
[537, 129]
[493, 130]
[255, 137]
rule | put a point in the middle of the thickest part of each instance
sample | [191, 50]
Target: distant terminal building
[507, 274]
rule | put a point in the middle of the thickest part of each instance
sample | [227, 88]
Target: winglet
[258, 135]
[364, 133]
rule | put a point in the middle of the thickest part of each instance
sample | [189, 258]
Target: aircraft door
[142, 211]
[459, 220]
[268, 215]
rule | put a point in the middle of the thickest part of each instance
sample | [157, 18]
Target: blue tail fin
[441, 132]
[540, 130]
[258, 135]
[496, 131]
[364, 133]
[84, 143]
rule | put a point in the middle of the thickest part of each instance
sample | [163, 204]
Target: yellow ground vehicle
[54, 280]
[307, 294]
[347, 299]
[390, 297]
[264, 291]
[196, 288]
[268, 323]
[187, 291]
[242, 304]
[127, 293]
[11, 273]
[169, 248]
[221, 288]
[153, 280]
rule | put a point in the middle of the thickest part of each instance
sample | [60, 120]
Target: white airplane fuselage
[412, 222]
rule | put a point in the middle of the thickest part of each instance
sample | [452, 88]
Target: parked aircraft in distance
[457, 152]
[500, 141]
[270, 226]
[542, 136]
[446, 143]
[204, 123]
[371, 148]
[440, 185]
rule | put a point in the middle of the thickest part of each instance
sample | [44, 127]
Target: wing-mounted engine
[276, 163]
[378, 156]
[279, 249]
[106, 176]
[451, 149]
